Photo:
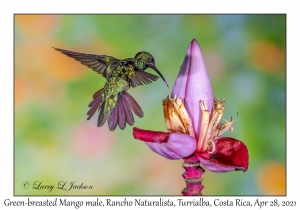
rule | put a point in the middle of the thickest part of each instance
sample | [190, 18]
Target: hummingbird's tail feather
[98, 93]
[121, 113]
[95, 103]
[113, 118]
[133, 104]
[128, 112]
[102, 115]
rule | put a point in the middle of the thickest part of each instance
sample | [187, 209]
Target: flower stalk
[192, 176]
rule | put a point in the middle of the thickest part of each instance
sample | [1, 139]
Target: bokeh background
[246, 59]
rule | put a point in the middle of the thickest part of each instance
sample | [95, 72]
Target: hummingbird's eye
[152, 60]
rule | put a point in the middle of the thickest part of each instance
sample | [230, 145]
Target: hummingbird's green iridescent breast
[121, 73]
[119, 81]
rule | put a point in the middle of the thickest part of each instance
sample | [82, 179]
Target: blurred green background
[245, 58]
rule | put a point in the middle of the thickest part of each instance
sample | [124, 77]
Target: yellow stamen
[202, 142]
[212, 143]
[184, 116]
[176, 116]
[178, 121]
[211, 128]
[166, 115]
[226, 126]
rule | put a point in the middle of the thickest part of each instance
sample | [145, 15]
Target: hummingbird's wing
[95, 103]
[142, 78]
[96, 62]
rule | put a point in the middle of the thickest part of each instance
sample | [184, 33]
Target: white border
[6, 73]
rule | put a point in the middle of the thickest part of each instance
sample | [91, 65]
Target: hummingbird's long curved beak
[155, 69]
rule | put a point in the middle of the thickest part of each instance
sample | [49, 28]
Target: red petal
[150, 136]
[230, 154]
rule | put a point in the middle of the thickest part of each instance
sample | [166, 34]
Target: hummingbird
[114, 103]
